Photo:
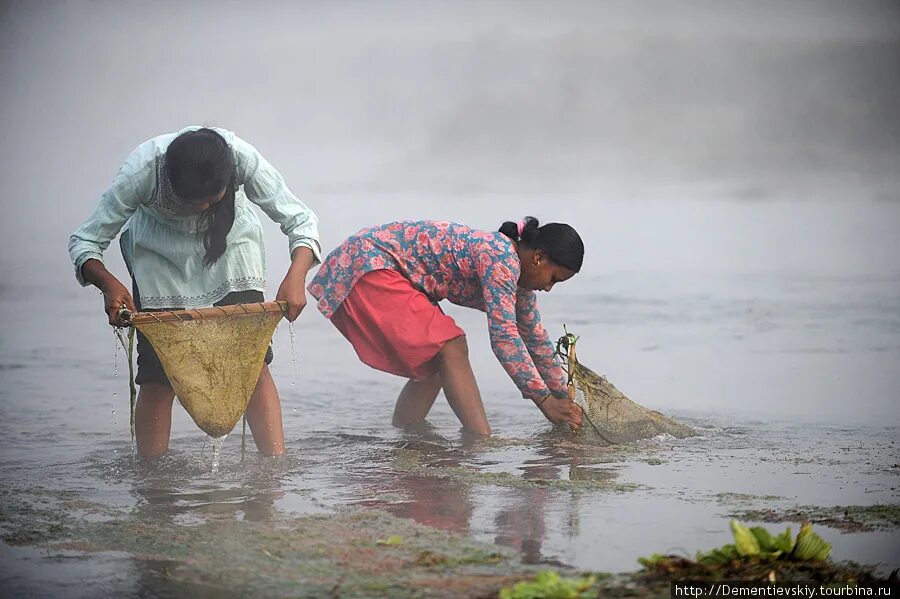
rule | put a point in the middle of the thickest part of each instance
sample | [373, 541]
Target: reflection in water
[178, 486]
[158, 501]
[713, 273]
[520, 525]
[546, 496]
[439, 483]
[436, 502]
[169, 496]
[430, 500]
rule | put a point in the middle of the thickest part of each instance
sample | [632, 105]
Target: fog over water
[734, 170]
[691, 143]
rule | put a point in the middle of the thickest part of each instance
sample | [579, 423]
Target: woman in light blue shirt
[191, 239]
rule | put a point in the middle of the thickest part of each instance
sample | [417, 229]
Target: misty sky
[743, 152]
[604, 101]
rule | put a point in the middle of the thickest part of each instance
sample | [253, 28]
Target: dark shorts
[149, 368]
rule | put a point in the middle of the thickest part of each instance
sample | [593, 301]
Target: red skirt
[393, 326]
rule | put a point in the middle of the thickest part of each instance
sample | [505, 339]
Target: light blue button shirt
[163, 249]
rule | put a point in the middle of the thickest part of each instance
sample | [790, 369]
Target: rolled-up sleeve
[116, 206]
[266, 188]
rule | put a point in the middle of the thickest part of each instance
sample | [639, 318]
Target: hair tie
[521, 227]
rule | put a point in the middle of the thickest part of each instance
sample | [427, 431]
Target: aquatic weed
[549, 585]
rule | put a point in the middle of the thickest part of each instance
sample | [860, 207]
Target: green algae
[430, 559]
[33, 518]
[335, 555]
[132, 389]
[341, 554]
[757, 554]
[308, 556]
[676, 568]
[549, 584]
[658, 572]
[391, 540]
[847, 518]
[745, 497]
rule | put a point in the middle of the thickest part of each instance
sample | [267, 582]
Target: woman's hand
[561, 410]
[293, 292]
[115, 295]
[293, 288]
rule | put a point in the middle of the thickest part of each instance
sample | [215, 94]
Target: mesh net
[611, 416]
[213, 357]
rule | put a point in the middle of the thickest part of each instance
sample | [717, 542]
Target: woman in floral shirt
[380, 288]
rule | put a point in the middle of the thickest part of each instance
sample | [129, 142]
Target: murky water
[742, 272]
[767, 349]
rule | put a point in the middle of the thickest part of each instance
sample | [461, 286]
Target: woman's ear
[538, 257]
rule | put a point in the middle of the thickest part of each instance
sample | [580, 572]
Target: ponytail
[559, 241]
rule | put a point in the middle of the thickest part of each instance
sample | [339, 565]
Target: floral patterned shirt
[472, 268]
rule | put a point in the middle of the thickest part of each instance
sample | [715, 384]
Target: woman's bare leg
[416, 400]
[153, 419]
[460, 386]
[264, 415]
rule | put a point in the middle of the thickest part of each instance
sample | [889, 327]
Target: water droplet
[115, 353]
[216, 446]
[115, 395]
[293, 354]
[114, 412]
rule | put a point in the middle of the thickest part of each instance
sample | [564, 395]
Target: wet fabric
[212, 360]
[394, 327]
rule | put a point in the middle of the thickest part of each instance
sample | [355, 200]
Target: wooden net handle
[207, 313]
[572, 360]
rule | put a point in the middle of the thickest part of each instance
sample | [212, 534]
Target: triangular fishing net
[213, 357]
[609, 415]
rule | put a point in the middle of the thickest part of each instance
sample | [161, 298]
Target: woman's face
[540, 273]
[201, 205]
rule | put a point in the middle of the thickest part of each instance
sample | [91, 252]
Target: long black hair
[559, 241]
[199, 165]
